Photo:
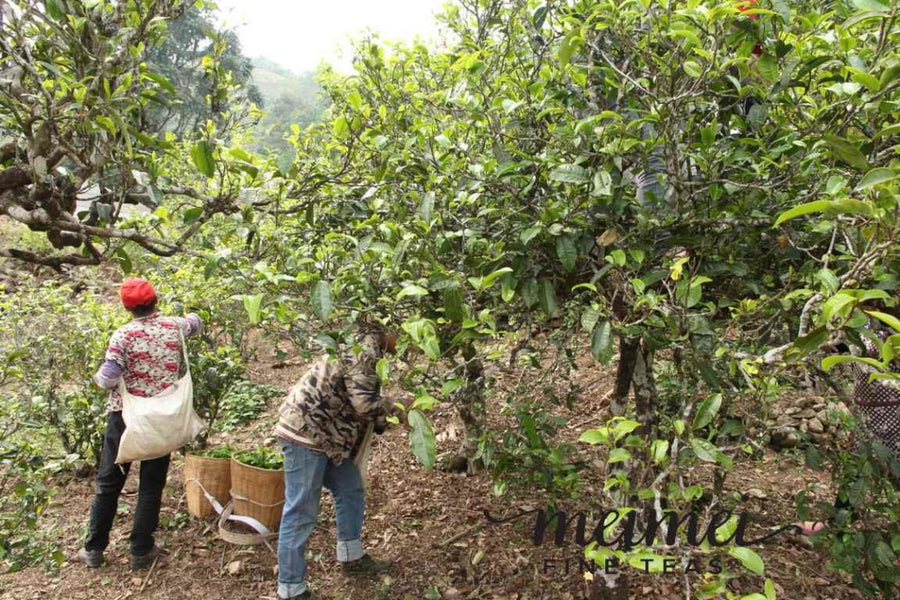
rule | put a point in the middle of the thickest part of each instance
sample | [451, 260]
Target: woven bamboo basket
[210, 474]
[257, 493]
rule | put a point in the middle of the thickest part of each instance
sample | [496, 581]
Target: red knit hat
[136, 292]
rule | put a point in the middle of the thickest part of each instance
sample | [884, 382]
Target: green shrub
[863, 535]
[531, 453]
[25, 493]
[243, 402]
[214, 371]
[55, 338]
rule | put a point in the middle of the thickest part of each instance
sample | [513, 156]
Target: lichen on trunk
[470, 405]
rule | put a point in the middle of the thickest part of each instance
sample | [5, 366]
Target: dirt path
[428, 523]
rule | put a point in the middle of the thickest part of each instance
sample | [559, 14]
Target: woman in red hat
[145, 355]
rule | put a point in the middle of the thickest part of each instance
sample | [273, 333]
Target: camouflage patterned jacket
[329, 407]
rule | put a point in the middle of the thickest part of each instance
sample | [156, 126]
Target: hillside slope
[289, 99]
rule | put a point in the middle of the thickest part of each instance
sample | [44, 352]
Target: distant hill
[275, 81]
[288, 98]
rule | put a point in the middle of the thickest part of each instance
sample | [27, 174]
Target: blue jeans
[305, 472]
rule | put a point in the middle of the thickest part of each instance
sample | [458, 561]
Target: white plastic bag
[158, 425]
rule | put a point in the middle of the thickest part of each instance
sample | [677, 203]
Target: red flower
[746, 7]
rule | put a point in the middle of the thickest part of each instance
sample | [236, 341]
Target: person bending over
[321, 424]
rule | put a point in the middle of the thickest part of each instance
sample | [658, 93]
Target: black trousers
[111, 480]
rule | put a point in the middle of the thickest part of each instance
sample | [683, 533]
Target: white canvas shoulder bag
[158, 425]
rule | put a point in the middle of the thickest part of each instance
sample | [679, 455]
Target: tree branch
[55, 262]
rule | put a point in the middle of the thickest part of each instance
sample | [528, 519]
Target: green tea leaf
[547, 297]
[569, 174]
[589, 319]
[492, 277]
[412, 290]
[659, 449]
[707, 411]
[877, 177]
[803, 209]
[383, 370]
[201, 154]
[595, 436]
[191, 215]
[847, 152]
[768, 67]
[618, 455]
[529, 234]
[124, 260]
[704, 450]
[567, 253]
[829, 362]
[530, 292]
[692, 68]
[837, 305]
[432, 347]
[426, 207]
[811, 341]
[748, 558]
[320, 300]
[540, 14]
[567, 48]
[55, 9]
[253, 306]
[889, 320]
[453, 304]
[602, 348]
[451, 386]
[421, 438]
[871, 5]
[783, 10]
[424, 402]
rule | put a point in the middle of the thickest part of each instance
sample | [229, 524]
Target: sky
[299, 34]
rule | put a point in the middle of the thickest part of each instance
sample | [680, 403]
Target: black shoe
[143, 561]
[92, 558]
[365, 566]
[307, 595]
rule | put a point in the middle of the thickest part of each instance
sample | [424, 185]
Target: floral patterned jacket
[146, 354]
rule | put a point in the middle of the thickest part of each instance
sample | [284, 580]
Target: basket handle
[245, 539]
[212, 499]
[245, 499]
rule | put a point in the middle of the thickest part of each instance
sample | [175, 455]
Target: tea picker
[150, 414]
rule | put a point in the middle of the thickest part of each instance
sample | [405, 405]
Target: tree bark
[470, 404]
[615, 587]
[645, 394]
[635, 370]
[628, 351]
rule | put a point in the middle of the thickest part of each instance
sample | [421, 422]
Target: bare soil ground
[431, 524]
